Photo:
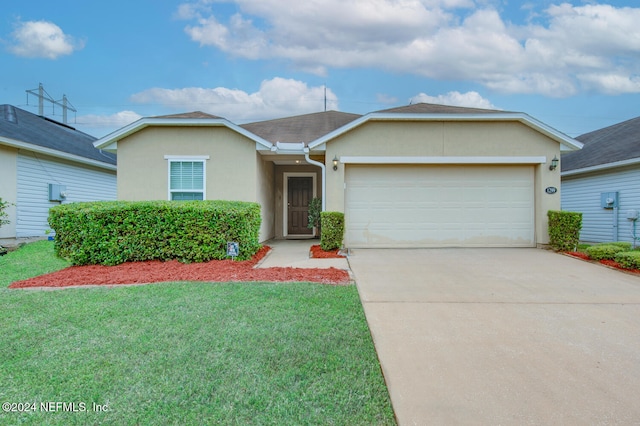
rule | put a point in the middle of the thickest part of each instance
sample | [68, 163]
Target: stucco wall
[265, 191]
[501, 139]
[8, 188]
[230, 171]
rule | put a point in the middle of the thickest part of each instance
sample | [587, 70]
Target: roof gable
[190, 119]
[301, 128]
[420, 112]
[617, 143]
[425, 108]
[18, 126]
[186, 115]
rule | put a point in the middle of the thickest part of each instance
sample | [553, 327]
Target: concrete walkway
[502, 336]
[295, 254]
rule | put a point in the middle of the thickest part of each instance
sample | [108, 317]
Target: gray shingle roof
[194, 114]
[23, 126]
[424, 108]
[301, 128]
[611, 144]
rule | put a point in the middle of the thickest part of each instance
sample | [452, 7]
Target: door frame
[285, 201]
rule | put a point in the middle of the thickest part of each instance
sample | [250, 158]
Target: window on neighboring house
[187, 178]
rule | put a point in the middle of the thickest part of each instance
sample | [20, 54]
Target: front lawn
[190, 353]
[28, 261]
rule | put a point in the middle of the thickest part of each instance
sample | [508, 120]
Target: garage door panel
[436, 206]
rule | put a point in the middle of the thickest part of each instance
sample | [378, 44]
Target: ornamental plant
[628, 259]
[564, 229]
[4, 205]
[315, 208]
[332, 230]
[113, 232]
[605, 251]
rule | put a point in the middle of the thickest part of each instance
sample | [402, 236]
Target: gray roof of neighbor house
[301, 128]
[609, 145]
[425, 108]
[19, 126]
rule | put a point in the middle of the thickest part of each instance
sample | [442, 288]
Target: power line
[42, 96]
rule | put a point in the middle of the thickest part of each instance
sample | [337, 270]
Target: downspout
[324, 176]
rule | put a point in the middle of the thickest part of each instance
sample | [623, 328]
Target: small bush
[332, 224]
[3, 214]
[564, 229]
[604, 251]
[113, 232]
[625, 245]
[628, 259]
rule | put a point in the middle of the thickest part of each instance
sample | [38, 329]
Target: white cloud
[277, 97]
[106, 123]
[468, 99]
[569, 48]
[42, 39]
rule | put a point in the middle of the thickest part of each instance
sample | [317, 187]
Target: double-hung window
[187, 177]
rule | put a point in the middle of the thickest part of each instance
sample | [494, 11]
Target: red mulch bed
[606, 262]
[318, 253]
[157, 271]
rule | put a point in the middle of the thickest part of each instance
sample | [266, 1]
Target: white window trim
[189, 158]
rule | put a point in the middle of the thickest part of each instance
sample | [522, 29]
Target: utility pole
[44, 96]
[325, 98]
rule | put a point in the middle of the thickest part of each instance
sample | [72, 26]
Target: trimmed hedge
[628, 259]
[604, 251]
[624, 244]
[332, 224]
[113, 232]
[564, 229]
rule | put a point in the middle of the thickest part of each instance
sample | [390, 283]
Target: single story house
[602, 181]
[421, 175]
[44, 163]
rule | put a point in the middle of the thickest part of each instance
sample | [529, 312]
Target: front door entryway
[299, 193]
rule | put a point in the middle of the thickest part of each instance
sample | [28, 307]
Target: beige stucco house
[416, 176]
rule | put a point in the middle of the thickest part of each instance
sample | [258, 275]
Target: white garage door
[439, 206]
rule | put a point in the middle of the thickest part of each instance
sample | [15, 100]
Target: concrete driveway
[502, 336]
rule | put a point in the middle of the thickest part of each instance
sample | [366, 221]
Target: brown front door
[300, 191]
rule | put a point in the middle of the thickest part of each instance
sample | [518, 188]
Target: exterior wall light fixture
[335, 162]
[554, 163]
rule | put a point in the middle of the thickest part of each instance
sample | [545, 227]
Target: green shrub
[113, 232]
[315, 208]
[604, 251]
[332, 224]
[3, 214]
[628, 259]
[564, 229]
[625, 245]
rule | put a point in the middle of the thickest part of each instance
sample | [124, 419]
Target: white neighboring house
[602, 181]
[44, 163]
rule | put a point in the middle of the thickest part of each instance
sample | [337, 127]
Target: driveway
[502, 336]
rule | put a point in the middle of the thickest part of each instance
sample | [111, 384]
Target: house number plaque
[551, 190]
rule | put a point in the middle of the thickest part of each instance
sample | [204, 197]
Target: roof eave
[55, 153]
[110, 142]
[568, 143]
[601, 167]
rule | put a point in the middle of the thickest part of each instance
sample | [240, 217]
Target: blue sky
[573, 65]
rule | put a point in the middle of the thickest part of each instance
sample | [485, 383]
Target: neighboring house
[602, 181]
[417, 176]
[44, 163]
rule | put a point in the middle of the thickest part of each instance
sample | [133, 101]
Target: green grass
[28, 261]
[191, 353]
